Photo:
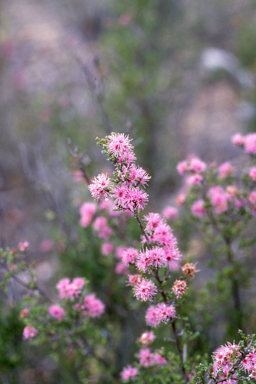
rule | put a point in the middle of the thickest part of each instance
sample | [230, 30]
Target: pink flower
[63, 286]
[146, 357]
[100, 186]
[194, 179]
[77, 284]
[24, 313]
[252, 173]
[222, 360]
[95, 306]
[136, 199]
[129, 256]
[145, 290]
[181, 199]
[29, 332]
[231, 192]
[153, 220]
[182, 167]
[198, 209]
[119, 251]
[189, 270]
[179, 288]
[252, 198]
[107, 248]
[119, 145]
[121, 268]
[147, 338]
[238, 139]
[159, 359]
[145, 260]
[159, 313]
[69, 290]
[134, 280]
[100, 223]
[87, 211]
[250, 143]
[136, 176]
[105, 204]
[129, 372]
[249, 362]
[105, 232]
[197, 165]
[170, 213]
[225, 170]
[218, 199]
[23, 246]
[56, 311]
[46, 245]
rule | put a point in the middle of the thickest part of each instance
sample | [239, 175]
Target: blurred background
[178, 76]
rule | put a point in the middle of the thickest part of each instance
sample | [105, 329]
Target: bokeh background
[178, 76]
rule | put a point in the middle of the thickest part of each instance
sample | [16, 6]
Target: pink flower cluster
[87, 211]
[100, 186]
[247, 141]
[23, 246]
[225, 170]
[128, 372]
[145, 290]
[252, 173]
[29, 332]
[198, 208]
[218, 199]
[160, 234]
[179, 288]
[162, 251]
[94, 306]
[225, 358]
[159, 313]
[170, 212]
[69, 289]
[195, 165]
[148, 358]
[249, 363]
[56, 311]
[147, 338]
[101, 226]
[125, 188]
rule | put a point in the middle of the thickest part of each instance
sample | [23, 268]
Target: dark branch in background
[35, 174]
[26, 285]
[79, 160]
[97, 92]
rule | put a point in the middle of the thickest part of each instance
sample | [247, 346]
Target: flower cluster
[126, 186]
[159, 254]
[94, 306]
[73, 303]
[29, 332]
[148, 358]
[217, 192]
[248, 142]
[228, 358]
[69, 289]
[159, 313]
[56, 311]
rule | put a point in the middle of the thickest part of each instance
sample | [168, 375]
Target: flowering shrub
[154, 269]
[222, 204]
